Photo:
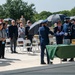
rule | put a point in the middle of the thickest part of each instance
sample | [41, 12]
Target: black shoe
[30, 50]
[71, 59]
[12, 52]
[15, 52]
[50, 62]
[43, 63]
[64, 60]
[3, 58]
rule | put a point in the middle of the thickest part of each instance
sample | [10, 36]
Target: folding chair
[27, 44]
[7, 44]
[35, 44]
[20, 43]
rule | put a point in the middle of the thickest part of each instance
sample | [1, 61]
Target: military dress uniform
[67, 38]
[44, 40]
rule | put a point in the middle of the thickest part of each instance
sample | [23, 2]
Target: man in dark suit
[13, 35]
[44, 40]
[27, 34]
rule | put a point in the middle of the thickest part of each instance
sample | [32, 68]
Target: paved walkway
[29, 64]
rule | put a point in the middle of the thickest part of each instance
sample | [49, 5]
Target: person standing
[58, 32]
[67, 28]
[13, 35]
[21, 31]
[73, 30]
[73, 35]
[44, 31]
[67, 31]
[22, 19]
[3, 37]
[27, 34]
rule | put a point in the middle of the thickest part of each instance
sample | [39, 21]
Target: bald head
[13, 22]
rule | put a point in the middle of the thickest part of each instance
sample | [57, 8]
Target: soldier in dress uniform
[44, 31]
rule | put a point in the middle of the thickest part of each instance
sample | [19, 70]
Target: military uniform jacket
[43, 35]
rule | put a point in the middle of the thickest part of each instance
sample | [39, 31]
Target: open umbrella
[34, 27]
[55, 17]
[72, 17]
[8, 19]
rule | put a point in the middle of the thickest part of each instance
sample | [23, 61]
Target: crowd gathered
[64, 33]
[13, 31]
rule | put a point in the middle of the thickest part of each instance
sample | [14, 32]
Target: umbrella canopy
[72, 17]
[55, 17]
[34, 27]
[8, 19]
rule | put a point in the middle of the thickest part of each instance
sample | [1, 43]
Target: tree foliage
[42, 15]
[66, 12]
[73, 11]
[15, 8]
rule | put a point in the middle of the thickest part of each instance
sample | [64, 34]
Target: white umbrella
[8, 19]
[72, 17]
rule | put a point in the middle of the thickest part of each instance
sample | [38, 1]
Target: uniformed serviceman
[44, 40]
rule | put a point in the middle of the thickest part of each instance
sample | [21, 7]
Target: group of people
[13, 32]
[64, 34]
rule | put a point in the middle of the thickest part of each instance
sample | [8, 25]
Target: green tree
[73, 12]
[1, 12]
[42, 15]
[15, 8]
[66, 12]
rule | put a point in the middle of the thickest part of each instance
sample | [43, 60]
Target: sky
[50, 5]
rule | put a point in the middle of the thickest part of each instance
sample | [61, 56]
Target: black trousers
[2, 49]
[30, 37]
[43, 47]
[13, 43]
[59, 40]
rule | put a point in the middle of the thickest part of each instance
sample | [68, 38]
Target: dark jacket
[27, 31]
[44, 31]
[59, 36]
[27, 35]
[73, 32]
[13, 31]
